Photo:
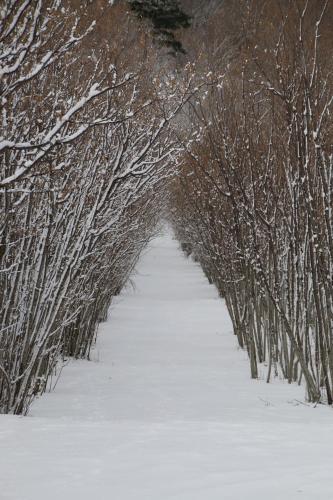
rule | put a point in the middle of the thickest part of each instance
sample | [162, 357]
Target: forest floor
[166, 409]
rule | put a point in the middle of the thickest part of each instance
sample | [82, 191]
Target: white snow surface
[166, 409]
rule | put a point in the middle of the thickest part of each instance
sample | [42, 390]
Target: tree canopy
[166, 17]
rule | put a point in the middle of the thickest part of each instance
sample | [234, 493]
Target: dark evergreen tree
[166, 17]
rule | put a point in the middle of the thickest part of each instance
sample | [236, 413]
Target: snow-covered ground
[166, 410]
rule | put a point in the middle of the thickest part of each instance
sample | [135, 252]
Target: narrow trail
[166, 409]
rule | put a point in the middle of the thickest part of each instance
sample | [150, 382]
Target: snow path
[167, 411]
